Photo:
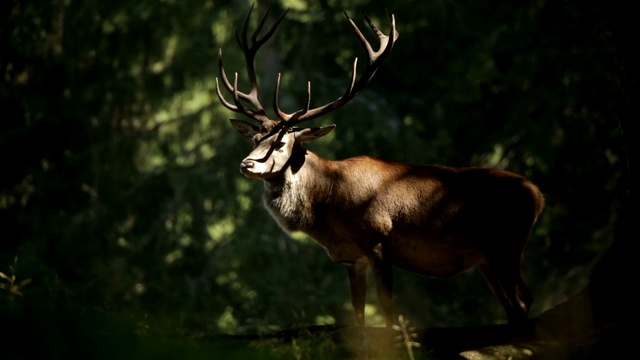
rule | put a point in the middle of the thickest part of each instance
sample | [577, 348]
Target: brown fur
[432, 220]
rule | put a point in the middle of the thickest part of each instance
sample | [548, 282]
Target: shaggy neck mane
[291, 196]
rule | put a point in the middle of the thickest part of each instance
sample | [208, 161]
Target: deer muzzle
[246, 166]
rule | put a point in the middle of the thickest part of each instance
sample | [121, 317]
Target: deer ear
[310, 134]
[248, 131]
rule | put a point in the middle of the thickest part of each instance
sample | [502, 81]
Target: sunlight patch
[325, 320]
[301, 237]
[226, 322]
[218, 231]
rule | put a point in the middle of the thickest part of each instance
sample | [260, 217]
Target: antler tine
[386, 44]
[257, 113]
[355, 86]
[276, 101]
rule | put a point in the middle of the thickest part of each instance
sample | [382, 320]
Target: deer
[369, 213]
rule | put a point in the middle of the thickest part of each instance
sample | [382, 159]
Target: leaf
[24, 283]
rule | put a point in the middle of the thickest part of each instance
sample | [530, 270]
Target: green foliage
[407, 336]
[10, 284]
[120, 180]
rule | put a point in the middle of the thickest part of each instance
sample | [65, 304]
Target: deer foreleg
[383, 272]
[358, 280]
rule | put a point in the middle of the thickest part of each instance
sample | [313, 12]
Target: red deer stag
[432, 220]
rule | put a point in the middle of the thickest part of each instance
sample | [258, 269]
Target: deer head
[275, 140]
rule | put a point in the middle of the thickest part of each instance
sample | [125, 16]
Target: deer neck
[291, 196]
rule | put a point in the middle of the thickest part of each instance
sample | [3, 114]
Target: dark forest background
[123, 209]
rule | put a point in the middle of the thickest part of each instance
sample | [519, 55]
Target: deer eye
[279, 145]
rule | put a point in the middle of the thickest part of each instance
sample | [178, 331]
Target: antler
[257, 113]
[375, 60]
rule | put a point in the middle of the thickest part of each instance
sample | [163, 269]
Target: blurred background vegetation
[120, 192]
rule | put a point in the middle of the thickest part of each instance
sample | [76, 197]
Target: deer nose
[246, 165]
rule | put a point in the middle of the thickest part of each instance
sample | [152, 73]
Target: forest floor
[564, 332]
